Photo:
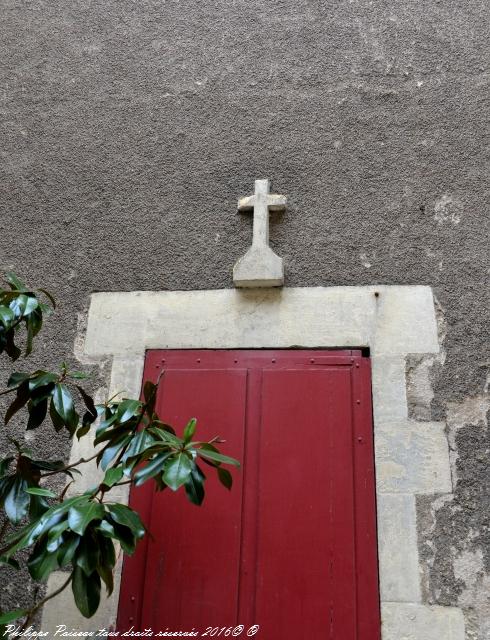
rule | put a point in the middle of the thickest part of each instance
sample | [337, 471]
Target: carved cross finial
[260, 266]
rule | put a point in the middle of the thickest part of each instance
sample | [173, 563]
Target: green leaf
[37, 413]
[37, 507]
[139, 442]
[4, 465]
[78, 375]
[216, 457]
[79, 516]
[63, 403]
[107, 551]
[14, 281]
[7, 316]
[56, 419]
[128, 518]
[9, 562]
[56, 531]
[17, 378]
[190, 430]
[67, 550]
[42, 562]
[32, 303]
[16, 503]
[151, 469]
[166, 436]
[122, 534]
[87, 555]
[225, 477]
[86, 591]
[39, 491]
[49, 296]
[177, 471]
[18, 305]
[32, 532]
[127, 409]
[83, 430]
[42, 379]
[36, 321]
[12, 615]
[194, 488]
[105, 572]
[108, 454]
[112, 476]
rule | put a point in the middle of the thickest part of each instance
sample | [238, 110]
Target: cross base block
[259, 267]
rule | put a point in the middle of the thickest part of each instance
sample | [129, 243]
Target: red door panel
[201, 555]
[292, 547]
[306, 512]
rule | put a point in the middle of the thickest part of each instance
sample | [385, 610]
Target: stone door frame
[411, 457]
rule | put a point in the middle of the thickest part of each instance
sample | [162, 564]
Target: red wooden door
[292, 548]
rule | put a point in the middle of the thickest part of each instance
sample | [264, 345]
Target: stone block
[398, 553]
[412, 457]
[389, 388]
[402, 621]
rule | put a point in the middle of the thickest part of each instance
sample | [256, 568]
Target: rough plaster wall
[129, 130]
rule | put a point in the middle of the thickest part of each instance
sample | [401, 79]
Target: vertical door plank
[306, 564]
[192, 567]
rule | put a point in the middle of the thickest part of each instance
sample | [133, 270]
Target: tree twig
[32, 612]
[70, 466]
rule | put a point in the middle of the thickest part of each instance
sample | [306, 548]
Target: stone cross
[260, 266]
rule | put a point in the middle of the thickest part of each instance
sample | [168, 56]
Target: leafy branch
[78, 533]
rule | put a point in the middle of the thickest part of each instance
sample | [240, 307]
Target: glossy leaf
[10, 616]
[37, 414]
[194, 488]
[49, 296]
[80, 515]
[67, 550]
[225, 477]
[42, 562]
[177, 471]
[86, 591]
[112, 476]
[7, 316]
[63, 403]
[87, 556]
[108, 454]
[41, 379]
[128, 518]
[39, 491]
[56, 419]
[128, 409]
[190, 430]
[17, 378]
[16, 502]
[4, 465]
[18, 305]
[154, 466]
[9, 562]
[217, 457]
[14, 281]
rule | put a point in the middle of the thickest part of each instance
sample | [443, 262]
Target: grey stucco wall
[129, 130]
